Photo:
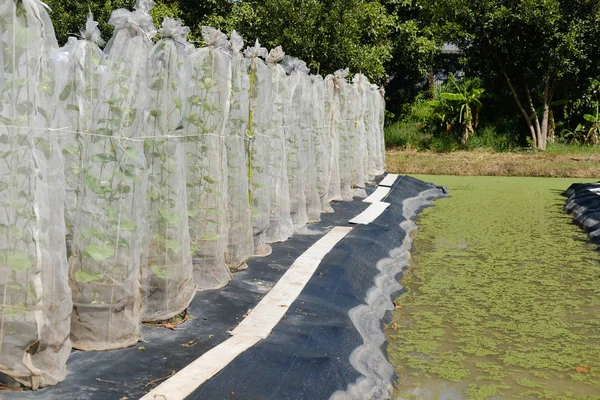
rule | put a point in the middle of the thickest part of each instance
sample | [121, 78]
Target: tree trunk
[468, 126]
[532, 131]
[431, 83]
[551, 127]
[540, 136]
[545, 117]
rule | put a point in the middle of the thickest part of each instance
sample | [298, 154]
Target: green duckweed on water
[503, 297]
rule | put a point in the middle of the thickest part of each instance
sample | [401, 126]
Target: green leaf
[44, 146]
[87, 276]
[130, 117]
[116, 110]
[92, 183]
[210, 237]
[100, 253]
[25, 107]
[453, 96]
[46, 85]
[44, 114]
[103, 157]
[72, 107]
[127, 226]
[590, 118]
[71, 150]
[64, 95]
[162, 273]
[195, 100]
[14, 84]
[171, 218]
[559, 103]
[173, 244]
[209, 179]
[90, 233]
[124, 189]
[17, 260]
[104, 131]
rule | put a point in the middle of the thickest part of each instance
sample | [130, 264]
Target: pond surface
[503, 297]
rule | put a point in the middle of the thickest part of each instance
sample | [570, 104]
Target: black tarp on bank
[584, 204]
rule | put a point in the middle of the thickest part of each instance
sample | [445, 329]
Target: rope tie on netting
[68, 131]
[139, 20]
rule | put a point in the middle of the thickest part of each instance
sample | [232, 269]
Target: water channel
[502, 297]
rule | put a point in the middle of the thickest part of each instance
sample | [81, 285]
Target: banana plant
[468, 100]
[592, 133]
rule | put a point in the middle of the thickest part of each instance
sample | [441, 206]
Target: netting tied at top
[178, 165]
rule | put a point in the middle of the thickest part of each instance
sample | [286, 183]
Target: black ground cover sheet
[306, 356]
[584, 205]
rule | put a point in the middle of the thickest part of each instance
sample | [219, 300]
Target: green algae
[503, 297]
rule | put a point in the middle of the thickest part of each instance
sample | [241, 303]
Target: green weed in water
[503, 297]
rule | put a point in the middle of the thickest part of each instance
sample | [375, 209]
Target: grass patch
[413, 134]
[489, 163]
[407, 135]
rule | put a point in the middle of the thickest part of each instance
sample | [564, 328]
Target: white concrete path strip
[370, 214]
[186, 381]
[267, 314]
[389, 180]
[378, 195]
[256, 326]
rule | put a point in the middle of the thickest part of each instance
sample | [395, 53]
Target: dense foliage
[539, 48]
[536, 59]
[373, 37]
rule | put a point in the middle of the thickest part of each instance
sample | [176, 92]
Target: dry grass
[486, 163]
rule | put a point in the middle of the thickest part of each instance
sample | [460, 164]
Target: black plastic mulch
[584, 205]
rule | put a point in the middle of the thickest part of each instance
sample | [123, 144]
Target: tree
[536, 46]
[327, 34]
[414, 50]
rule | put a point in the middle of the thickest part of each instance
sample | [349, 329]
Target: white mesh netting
[178, 164]
[281, 226]
[259, 144]
[35, 297]
[105, 272]
[77, 87]
[333, 120]
[167, 273]
[297, 113]
[240, 244]
[206, 157]
[321, 144]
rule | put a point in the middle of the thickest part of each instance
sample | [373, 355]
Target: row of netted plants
[134, 176]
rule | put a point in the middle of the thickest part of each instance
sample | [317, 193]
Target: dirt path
[483, 163]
